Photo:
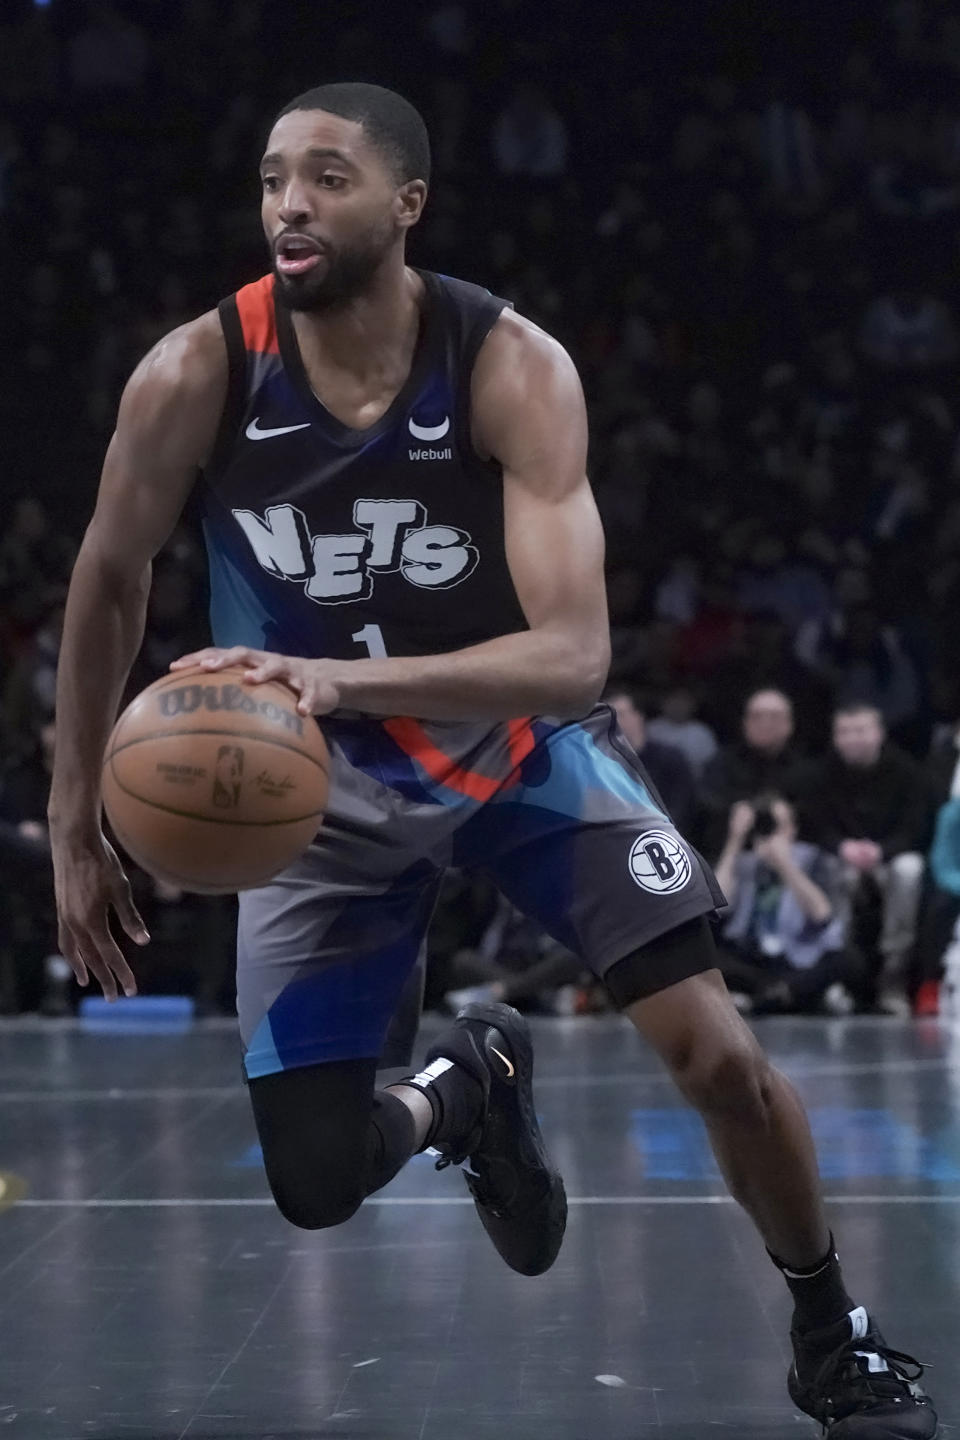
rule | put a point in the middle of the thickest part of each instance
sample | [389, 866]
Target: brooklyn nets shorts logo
[660, 863]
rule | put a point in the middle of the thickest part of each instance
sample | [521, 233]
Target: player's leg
[326, 953]
[329, 1138]
[844, 1373]
[473, 1097]
[590, 852]
[757, 1125]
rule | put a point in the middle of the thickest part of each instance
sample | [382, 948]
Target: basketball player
[391, 466]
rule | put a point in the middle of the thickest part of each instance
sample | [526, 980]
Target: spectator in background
[456, 955]
[28, 924]
[940, 897]
[787, 584]
[907, 185]
[110, 53]
[174, 620]
[518, 963]
[785, 937]
[677, 596]
[908, 330]
[529, 136]
[705, 444]
[868, 803]
[940, 909]
[865, 661]
[763, 759]
[34, 555]
[666, 766]
[715, 629]
[29, 691]
[852, 587]
[10, 155]
[762, 585]
[762, 656]
[677, 726]
[790, 153]
[29, 63]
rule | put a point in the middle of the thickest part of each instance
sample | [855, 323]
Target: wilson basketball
[214, 785]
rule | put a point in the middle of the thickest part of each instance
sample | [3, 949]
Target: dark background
[741, 219]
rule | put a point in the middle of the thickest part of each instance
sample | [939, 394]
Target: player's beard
[342, 275]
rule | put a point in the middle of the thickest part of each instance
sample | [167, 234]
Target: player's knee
[318, 1201]
[731, 1080]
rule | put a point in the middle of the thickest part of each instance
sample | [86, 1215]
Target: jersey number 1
[372, 637]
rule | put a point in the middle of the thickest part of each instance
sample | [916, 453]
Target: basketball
[214, 785]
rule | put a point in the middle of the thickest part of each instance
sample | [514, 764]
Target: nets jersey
[325, 541]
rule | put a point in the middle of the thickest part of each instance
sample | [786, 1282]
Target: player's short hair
[393, 126]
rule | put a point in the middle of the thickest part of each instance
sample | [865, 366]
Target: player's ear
[411, 198]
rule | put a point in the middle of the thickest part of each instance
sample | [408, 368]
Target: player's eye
[332, 182]
[270, 182]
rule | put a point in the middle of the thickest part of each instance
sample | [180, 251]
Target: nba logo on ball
[659, 862]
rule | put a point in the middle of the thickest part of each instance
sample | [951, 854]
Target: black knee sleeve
[328, 1139]
[676, 955]
[391, 1142]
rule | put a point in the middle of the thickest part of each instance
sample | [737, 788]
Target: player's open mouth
[296, 254]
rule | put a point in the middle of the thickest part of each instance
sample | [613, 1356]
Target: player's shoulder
[511, 337]
[186, 367]
[519, 359]
[516, 338]
[193, 355]
[180, 384]
[524, 383]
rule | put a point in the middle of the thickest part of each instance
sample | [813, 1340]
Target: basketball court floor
[148, 1288]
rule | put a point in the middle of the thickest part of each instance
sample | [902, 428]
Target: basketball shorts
[561, 815]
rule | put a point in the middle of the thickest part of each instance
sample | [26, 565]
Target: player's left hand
[312, 680]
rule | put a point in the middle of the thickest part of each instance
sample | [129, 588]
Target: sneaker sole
[800, 1397]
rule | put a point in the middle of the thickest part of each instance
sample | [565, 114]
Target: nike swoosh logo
[253, 431]
[429, 432]
[508, 1063]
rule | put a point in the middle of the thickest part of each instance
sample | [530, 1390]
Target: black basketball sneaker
[848, 1378]
[519, 1196]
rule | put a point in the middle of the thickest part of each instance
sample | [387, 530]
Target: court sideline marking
[258, 1202]
[658, 1077]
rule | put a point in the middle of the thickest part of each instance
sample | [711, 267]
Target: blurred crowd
[744, 226]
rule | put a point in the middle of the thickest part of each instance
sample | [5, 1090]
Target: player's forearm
[103, 628]
[529, 673]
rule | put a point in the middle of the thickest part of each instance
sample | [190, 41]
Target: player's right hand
[89, 882]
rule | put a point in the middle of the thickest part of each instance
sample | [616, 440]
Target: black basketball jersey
[326, 541]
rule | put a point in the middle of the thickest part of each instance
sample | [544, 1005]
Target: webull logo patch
[430, 454]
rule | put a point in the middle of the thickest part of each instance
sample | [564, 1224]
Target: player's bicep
[555, 555]
[532, 417]
[138, 504]
[166, 426]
